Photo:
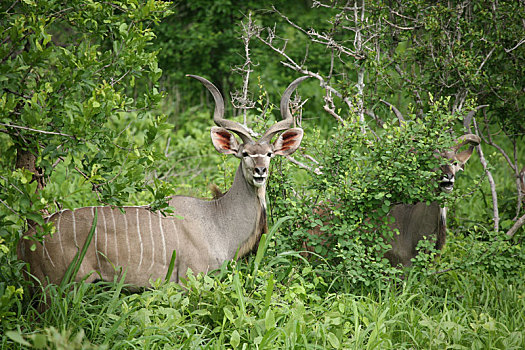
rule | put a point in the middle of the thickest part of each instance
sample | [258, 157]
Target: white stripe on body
[140, 240]
[163, 239]
[103, 216]
[127, 237]
[96, 241]
[115, 236]
[152, 242]
[47, 253]
[74, 228]
[176, 234]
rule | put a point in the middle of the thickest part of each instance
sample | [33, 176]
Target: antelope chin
[259, 181]
[446, 186]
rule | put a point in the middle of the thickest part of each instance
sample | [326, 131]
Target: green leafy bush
[363, 175]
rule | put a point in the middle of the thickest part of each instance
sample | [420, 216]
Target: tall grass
[250, 306]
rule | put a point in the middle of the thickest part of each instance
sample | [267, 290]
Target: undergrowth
[280, 302]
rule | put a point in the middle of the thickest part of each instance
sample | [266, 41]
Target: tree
[77, 83]
[387, 62]
[391, 58]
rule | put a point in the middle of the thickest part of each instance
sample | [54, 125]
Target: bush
[363, 176]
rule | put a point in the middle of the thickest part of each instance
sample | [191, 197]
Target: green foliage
[67, 74]
[363, 176]
[75, 80]
[79, 90]
[280, 307]
[204, 39]
[52, 338]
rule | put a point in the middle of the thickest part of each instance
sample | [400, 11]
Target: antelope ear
[288, 142]
[224, 141]
[464, 156]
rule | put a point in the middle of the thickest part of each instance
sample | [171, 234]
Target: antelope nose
[260, 171]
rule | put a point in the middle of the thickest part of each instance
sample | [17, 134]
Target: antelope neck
[247, 204]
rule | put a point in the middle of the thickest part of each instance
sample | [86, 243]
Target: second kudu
[414, 222]
[203, 233]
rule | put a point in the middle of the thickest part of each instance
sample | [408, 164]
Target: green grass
[279, 301]
[282, 307]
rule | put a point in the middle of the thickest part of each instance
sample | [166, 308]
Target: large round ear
[224, 141]
[464, 156]
[470, 139]
[288, 142]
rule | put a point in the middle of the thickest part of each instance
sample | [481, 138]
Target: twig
[14, 186]
[396, 111]
[516, 46]
[11, 209]
[304, 166]
[485, 60]
[332, 112]
[36, 130]
[492, 184]
[249, 31]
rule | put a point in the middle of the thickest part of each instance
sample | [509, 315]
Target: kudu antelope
[414, 222]
[203, 233]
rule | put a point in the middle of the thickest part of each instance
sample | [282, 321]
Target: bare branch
[310, 158]
[10, 184]
[501, 150]
[398, 26]
[333, 114]
[113, 82]
[36, 130]
[396, 111]
[512, 165]
[304, 166]
[516, 46]
[492, 184]
[485, 60]
[8, 207]
[519, 223]
[322, 39]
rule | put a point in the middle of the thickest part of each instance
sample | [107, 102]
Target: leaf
[332, 339]
[200, 312]
[39, 341]
[228, 314]
[269, 320]
[235, 339]
[36, 218]
[17, 337]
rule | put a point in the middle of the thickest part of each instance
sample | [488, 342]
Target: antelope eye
[269, 154]
[245, 154]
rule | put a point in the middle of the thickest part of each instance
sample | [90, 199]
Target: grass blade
[263, 243]
[74, 266]
[172, 265]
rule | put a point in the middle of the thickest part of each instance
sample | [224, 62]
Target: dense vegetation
[95, 109]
